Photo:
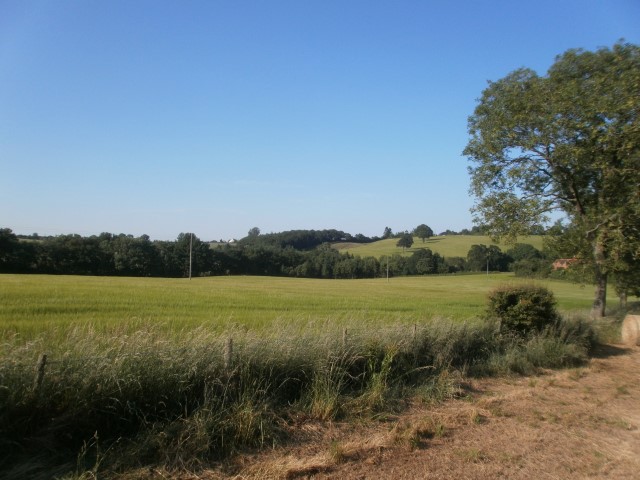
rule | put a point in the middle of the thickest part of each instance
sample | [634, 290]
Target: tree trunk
[623, 300]
[600, 301]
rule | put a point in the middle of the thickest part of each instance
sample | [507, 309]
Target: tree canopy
[568, 141]
[405, 241]
[423, 232]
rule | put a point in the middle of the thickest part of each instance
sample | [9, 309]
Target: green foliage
[481, 258]
[524, 251]
[567, 344]
[257, 254]
[301, 239]
[566, 141]
[325, 396]
[423, 232]
[15, 256]
[522, 309]
[405, 241]
[424, 262]
[531, 268]
[293, 253]
[528, 261]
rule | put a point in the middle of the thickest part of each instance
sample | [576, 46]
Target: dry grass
[574, 423]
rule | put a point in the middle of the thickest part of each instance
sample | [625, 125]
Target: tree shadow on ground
[608, 350]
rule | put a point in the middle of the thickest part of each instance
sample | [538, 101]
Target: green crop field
[35, 304]
[447, 246]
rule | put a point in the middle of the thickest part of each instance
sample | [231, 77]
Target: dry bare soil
[576, 423]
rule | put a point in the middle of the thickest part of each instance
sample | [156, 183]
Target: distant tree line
[483, 230]
[423, 231]
[303, 239]
[299, 253]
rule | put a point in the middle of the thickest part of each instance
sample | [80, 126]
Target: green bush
[522, 309]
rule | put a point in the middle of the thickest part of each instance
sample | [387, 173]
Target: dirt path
[577, 423]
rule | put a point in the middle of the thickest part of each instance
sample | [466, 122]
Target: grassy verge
[111, 403]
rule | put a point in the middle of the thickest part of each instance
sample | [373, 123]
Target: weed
[377, 390]
[414, 435]
[436, 426]
[337, 452]
[441, 387]
[330, 379]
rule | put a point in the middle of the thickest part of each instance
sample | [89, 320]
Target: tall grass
[181, 399]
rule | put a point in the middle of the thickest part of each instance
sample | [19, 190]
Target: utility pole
[387, 269]
[190, 254]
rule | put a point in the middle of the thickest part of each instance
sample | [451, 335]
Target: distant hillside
[447, 246]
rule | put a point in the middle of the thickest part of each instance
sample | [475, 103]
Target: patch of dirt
[575, 423]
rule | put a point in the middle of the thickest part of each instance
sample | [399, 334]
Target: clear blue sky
[213, 117]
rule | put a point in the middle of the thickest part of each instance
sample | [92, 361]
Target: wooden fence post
[40, 366]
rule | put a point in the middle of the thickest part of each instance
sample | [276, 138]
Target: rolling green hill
[447, 246]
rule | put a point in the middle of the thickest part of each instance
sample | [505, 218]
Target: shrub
[522, 309]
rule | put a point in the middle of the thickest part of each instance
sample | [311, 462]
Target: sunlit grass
[34, 304]
[447, 246]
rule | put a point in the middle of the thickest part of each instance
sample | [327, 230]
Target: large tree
[423, 232]
[568, 141]
[405, 241]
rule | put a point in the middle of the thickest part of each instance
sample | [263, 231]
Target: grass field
[447, 246]
[99, 375]
[33, 304]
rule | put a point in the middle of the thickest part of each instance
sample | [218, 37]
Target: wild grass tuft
[566, 344]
